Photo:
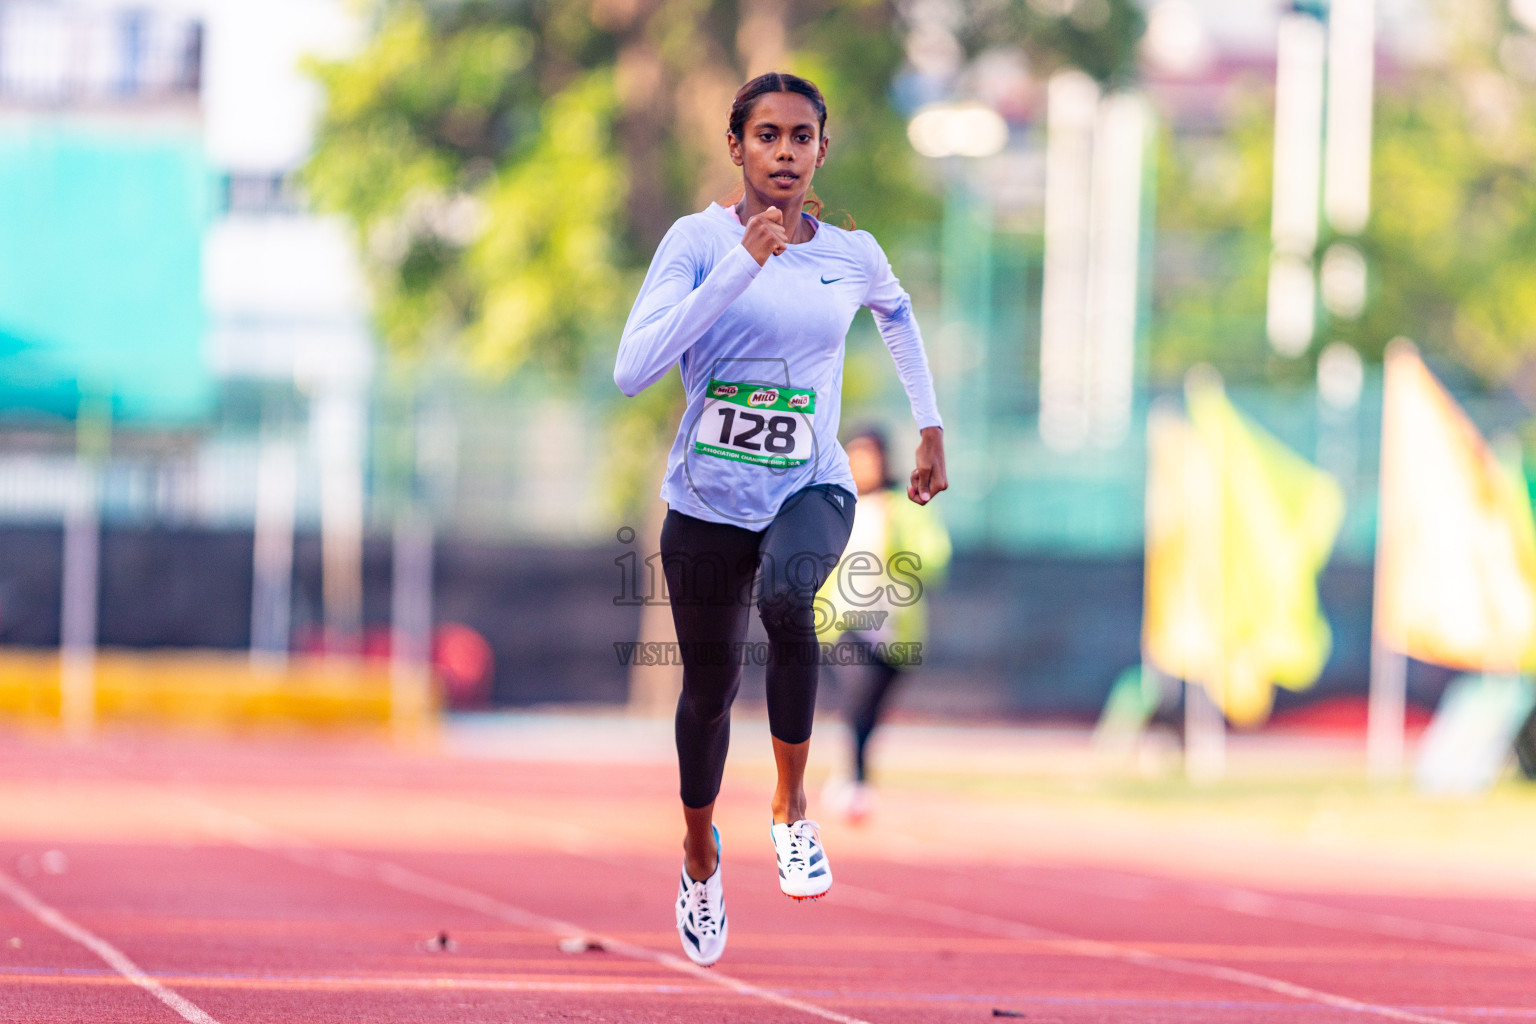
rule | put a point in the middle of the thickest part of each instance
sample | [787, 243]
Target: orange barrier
[205, 687]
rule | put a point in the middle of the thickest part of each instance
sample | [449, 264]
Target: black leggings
[710, 569]
[867, 688]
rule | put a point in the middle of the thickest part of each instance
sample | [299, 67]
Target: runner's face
[780, 148]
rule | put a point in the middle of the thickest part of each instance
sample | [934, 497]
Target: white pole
[1114, 253]
[1300, 54]
[1162, 418]
[1072, 99]
[1205, 736]
[1346, 201]
[272, 557]
[1205, 727]
[338, 423]
[1351, 81]
[1386, 722]
[77, 625]
[1385, 744]
[411, 625]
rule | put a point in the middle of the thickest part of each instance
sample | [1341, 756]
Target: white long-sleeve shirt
[707, 306]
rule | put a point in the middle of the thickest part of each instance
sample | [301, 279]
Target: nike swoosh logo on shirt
[832, 280]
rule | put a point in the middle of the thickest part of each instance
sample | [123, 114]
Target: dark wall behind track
[175, 588]
[1011, 635]
[31, 564]
[1049, 636]
[548, 613]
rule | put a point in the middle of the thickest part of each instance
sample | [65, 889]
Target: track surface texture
[523, 869]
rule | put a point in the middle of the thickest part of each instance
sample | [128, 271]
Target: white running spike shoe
[804, 873]
[701, 920]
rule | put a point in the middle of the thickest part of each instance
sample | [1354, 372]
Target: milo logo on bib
[757, 424]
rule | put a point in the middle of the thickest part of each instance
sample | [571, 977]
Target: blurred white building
[157, 254]
[284, 296]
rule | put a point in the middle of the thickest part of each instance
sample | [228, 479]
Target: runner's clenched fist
[765, 235]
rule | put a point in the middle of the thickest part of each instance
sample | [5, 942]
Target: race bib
[766, 426]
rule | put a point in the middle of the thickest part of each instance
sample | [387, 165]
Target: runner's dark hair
[783, 81]
[875, 435]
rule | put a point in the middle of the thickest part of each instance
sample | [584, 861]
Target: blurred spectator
[904, 549]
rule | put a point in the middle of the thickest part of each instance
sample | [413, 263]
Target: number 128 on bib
[757, 424]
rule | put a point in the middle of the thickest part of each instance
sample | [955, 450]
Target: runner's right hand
[765, 235]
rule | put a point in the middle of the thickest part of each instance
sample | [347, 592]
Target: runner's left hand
[930, 476]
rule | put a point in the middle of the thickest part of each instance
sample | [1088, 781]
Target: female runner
[753, 303]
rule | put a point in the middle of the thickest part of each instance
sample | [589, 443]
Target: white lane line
[1246, 901]
[1281, 908]
[1259, 904]
[1256, 904]
[114, 957]
[254, 835]
[955, 917]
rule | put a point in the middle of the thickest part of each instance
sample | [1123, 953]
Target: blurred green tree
[1096, 36]
[1211, 256]
[509, 166]
[1452, 238]
[469, 143]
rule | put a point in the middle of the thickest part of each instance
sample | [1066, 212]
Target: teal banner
[100, 268]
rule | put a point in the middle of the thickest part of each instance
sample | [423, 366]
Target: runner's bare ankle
[701, 863]
[787, 810]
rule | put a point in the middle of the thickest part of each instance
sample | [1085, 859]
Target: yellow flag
[1238, 527]
[1182, 606]
[1456, 558]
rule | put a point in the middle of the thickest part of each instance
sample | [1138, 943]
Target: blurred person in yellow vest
[876, 604]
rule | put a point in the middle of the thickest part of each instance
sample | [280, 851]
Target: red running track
[280, 881]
